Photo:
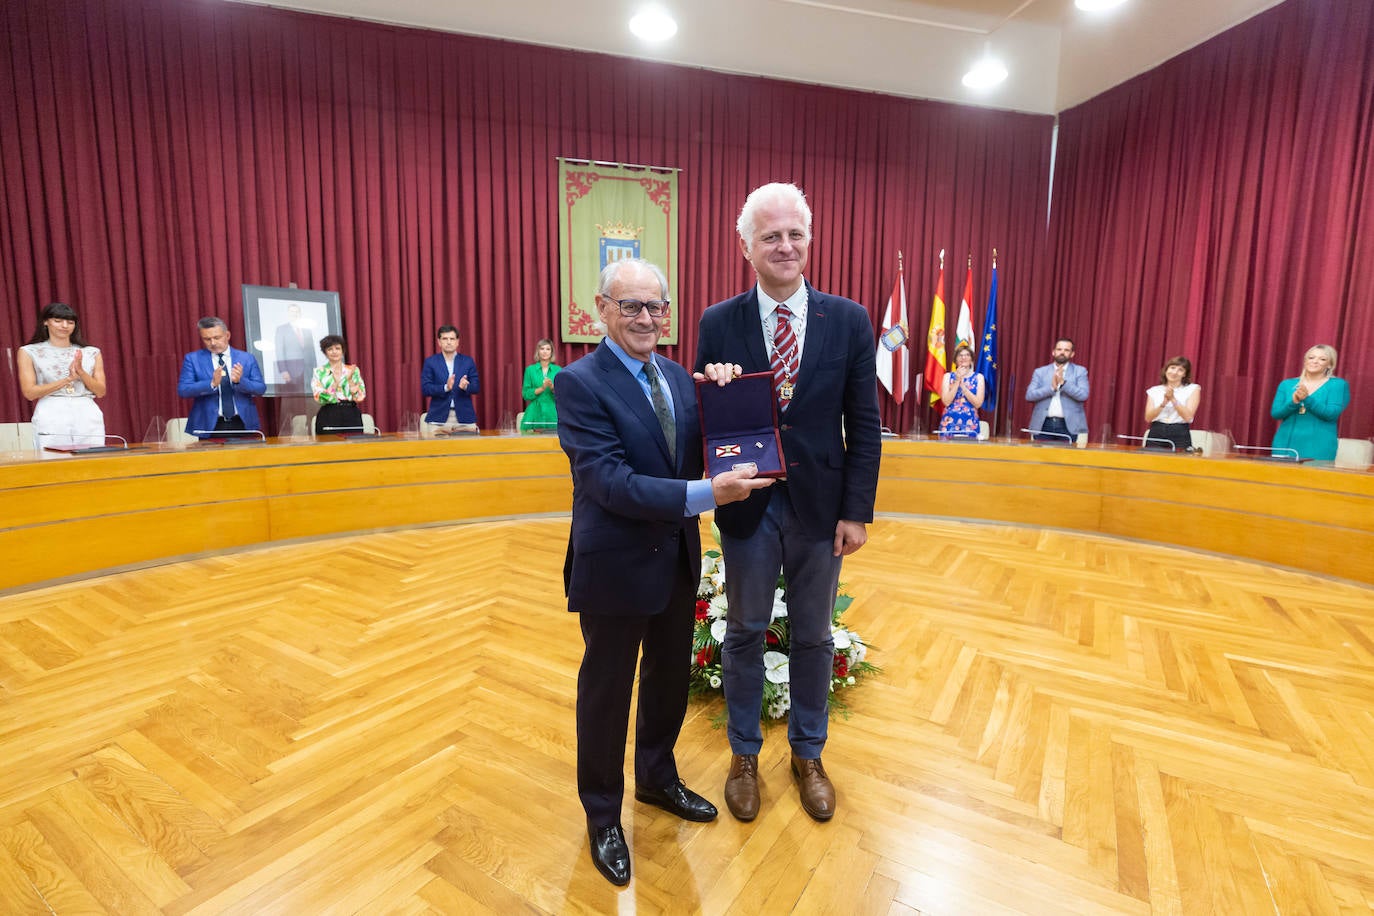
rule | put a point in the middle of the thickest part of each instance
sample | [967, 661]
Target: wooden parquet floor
[383, 724]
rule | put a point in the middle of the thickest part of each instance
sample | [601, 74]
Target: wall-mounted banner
[610, 212]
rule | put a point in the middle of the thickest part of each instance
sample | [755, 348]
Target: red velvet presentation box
[739, 425]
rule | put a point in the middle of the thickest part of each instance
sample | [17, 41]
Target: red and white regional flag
[894, 356]
[963, 331]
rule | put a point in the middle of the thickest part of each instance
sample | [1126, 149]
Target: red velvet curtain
[160, 153]
[1219, 207]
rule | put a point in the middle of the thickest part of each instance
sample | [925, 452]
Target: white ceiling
[1057, 55]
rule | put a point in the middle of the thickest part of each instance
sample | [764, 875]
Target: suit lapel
[817, 335]
[749, 326]
[626, 387]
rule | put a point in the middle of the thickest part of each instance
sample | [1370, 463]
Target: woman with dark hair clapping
[64, 376]
[339, 389]
[1171, 405]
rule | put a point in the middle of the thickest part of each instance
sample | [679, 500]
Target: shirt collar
[632, 365]
[796, 303]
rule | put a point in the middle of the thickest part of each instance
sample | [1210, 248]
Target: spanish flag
[935, 339]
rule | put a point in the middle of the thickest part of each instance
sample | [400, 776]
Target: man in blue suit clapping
[223, 381]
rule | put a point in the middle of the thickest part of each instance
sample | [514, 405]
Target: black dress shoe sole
[699, 817]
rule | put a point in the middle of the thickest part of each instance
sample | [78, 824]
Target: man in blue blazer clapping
[1059, 391]
[223, 381]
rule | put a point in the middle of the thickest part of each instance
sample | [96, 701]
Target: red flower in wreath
[771, 638]
[704, 657]
[841, 665]
[703, 608]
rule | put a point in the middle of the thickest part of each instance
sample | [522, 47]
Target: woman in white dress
[63, 376]
[1171, 405]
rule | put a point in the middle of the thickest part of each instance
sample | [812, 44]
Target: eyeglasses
[657, 308]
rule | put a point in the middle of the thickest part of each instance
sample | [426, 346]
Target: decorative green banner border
[609, 212]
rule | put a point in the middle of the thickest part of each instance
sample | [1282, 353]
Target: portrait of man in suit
[1059, 392]
[820, 349]
[223, 383]
[627, 419]
[293, 352]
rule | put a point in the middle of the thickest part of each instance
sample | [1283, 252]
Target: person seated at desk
[537, 389]
[338, 388]
[449, 379]
[1171, 405]
[64, 376]
[223, 381]
[1308, 406]
[962, 393]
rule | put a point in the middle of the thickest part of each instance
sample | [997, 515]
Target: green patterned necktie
[665, 416]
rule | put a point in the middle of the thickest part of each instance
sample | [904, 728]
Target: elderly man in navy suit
[223, 382]
[820, 349]
[1059, 391]
[627, 419]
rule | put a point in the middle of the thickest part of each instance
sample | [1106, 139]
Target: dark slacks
[662, 645]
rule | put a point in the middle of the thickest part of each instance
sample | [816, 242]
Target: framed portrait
[284, 327]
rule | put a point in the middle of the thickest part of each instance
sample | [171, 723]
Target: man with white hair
[627, 419]
[820, 350]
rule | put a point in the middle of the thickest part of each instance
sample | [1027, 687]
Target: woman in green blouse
[1307, 407]
[537, 390]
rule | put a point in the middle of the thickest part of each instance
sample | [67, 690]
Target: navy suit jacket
[628, 526]
[1072, 394]
[433, 377]
[197, 370]
[831, 432]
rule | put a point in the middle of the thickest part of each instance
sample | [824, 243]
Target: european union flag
[987, 353]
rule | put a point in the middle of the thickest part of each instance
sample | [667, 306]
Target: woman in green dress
[537, 390]
[1307, 407]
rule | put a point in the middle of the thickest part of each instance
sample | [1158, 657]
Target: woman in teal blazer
[1307, 406]
[537, 389]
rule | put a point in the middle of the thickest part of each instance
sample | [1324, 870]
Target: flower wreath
[850, 650]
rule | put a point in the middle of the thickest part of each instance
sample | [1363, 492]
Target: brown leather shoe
[742, 787]
[817, 794]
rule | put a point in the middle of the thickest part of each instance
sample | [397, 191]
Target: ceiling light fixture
[1096, 6]
[985, 73]
[653, 23]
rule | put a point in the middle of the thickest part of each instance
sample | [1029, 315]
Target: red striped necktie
[784, 356]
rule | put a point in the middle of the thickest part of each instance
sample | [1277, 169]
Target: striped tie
[784, 356]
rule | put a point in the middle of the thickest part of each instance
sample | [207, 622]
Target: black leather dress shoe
[609, 853]
[680, 800]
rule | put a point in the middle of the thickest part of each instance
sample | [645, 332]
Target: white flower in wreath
[718, 629]
[779, 605]
[841, 637]
[718, 607]
[775, 667]
[715, 681]
[859, 650]
[718, 575]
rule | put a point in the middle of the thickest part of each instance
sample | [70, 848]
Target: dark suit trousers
[604, 683]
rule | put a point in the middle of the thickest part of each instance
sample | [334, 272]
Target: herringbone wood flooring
[383, 724]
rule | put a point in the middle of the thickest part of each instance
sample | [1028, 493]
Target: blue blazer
[433, 377]
[1071, 395]
[831, 433]
[198, 368]
[628, 526]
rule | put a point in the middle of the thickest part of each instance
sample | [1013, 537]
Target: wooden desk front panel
[66, 518]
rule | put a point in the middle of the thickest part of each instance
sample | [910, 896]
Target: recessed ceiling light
[985, 74]
[653, 24]
[1094, 6]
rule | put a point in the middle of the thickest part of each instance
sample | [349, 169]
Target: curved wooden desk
[83, 515]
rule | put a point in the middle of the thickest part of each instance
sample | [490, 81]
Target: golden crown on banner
[618, 230]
